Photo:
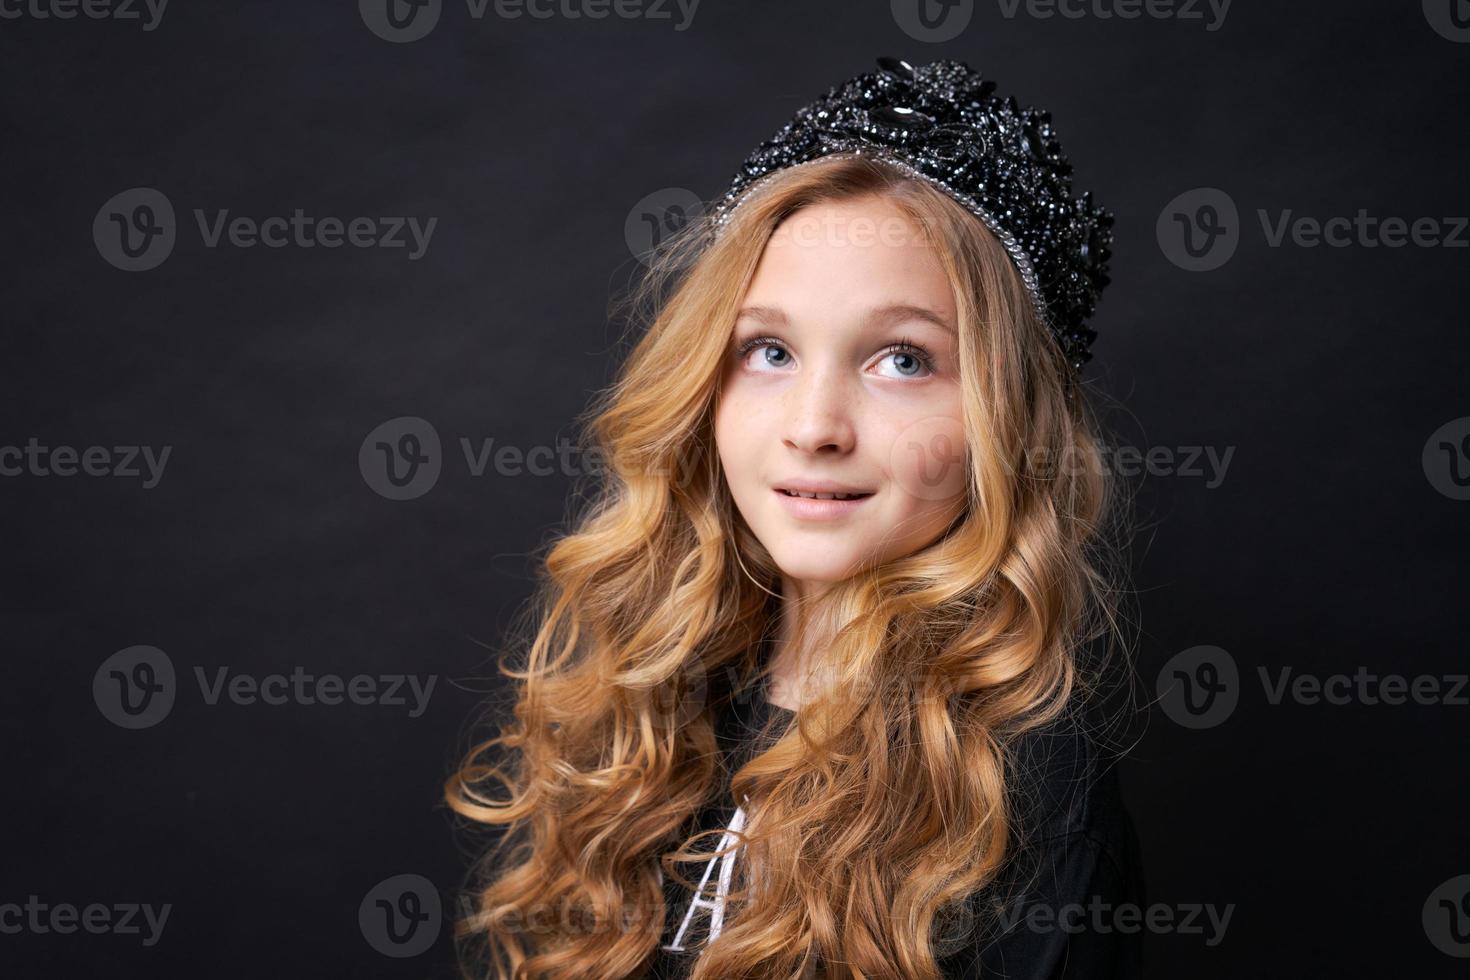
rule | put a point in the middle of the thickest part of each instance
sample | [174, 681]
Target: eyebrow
[878, 316]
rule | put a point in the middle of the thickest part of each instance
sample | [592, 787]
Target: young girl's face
[826, 395]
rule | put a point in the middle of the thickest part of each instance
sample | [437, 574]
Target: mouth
[821, 495]
[820, 505]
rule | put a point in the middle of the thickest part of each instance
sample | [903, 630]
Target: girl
[812, 686]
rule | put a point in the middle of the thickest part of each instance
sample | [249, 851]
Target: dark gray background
[1326, 547]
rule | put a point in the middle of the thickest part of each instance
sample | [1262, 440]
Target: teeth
[824, 496]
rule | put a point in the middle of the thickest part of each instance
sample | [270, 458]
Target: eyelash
[902, 346]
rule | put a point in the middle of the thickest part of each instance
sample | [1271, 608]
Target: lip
[811, 509]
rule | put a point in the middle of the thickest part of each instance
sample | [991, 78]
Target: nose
[819, 414]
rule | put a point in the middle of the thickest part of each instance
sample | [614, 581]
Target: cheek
[927, 459]
[736, 431]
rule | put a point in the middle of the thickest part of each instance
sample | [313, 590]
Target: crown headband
[941, 123]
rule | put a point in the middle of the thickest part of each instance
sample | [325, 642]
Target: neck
[805, 627]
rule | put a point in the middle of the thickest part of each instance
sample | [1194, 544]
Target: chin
[826, 571]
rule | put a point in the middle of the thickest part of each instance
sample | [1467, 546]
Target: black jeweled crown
[942, 123]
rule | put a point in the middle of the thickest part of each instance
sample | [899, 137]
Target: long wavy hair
[891, 798]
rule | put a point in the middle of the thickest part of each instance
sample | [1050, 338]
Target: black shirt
[1053, 913]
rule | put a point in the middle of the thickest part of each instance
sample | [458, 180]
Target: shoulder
[1062, 782]
[1073, 856]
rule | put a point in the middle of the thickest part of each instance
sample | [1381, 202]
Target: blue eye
[775, 353]
[919, 357]
[744, 350]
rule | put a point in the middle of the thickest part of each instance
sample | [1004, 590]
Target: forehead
[850, 255]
